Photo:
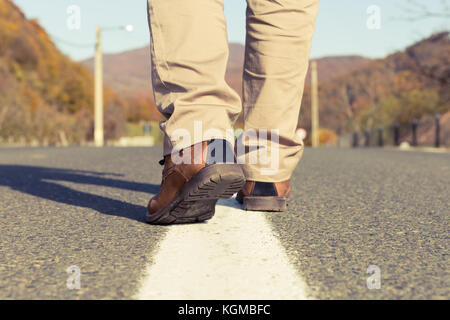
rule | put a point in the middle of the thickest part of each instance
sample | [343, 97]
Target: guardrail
[426, 132]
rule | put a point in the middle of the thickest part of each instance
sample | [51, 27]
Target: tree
[419, 10]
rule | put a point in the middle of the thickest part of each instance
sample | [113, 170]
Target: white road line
[233, 256]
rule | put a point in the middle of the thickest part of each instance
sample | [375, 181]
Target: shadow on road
[37, 181]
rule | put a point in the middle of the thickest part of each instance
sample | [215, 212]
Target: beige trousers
[189, 50]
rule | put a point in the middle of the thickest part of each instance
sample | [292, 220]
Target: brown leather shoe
[264, 196]
[189, 192]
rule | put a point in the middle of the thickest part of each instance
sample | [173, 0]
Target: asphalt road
[62, 207]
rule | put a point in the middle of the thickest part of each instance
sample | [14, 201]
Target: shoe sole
[276, 204]
[197, 199]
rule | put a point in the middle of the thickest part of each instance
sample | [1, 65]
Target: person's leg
[279, 35]
[189, 49]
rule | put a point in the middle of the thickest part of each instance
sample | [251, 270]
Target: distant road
[350, 209]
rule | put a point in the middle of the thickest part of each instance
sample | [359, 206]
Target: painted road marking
[233, 256]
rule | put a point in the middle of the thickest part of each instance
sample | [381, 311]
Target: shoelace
[166, 171]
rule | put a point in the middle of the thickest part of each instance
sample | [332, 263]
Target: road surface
[350, 209]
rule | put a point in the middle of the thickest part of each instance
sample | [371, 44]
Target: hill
[407, 85]
[128, 73]
[45, 98]
[329, 68]
[355, 92]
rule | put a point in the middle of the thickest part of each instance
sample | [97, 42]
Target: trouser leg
[279, 34]
[189, 50]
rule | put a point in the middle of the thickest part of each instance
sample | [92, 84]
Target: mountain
[407, 85]
[44, 96]
[128, 73]
[331, 67]
[355, 92]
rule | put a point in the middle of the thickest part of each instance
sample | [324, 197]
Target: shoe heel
[217, 181]
[276, 204]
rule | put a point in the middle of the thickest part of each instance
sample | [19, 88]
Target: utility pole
[98, 108]
[314, 106]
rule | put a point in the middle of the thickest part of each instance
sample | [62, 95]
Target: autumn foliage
[405, 86]
[45, 96]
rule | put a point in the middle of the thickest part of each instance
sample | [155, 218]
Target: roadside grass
[137, 130]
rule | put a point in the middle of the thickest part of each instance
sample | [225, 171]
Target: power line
[73, 44]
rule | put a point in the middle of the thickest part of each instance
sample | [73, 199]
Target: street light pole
[98, 108]
[98, 74]
[314, 106]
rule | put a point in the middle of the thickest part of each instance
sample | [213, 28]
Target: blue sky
[341, 25]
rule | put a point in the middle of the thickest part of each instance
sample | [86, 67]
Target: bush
[325, 136]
